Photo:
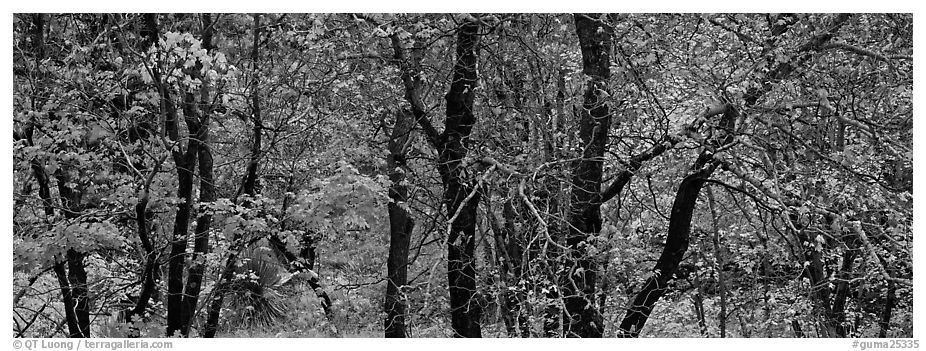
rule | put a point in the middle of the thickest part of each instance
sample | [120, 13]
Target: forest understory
[462, 175]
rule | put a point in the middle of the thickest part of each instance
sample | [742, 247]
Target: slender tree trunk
[452, 148]
[206, 189]
[73, 295]
[76, 272]
[719, 264]
[698, 304]
[248, 188]
[584, 216]
[841, 292]
[149, 273]
[679, 229]
[819, 282]
[884, 325]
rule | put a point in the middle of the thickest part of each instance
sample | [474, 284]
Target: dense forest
[462, 175]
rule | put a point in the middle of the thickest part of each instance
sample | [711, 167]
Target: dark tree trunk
[819, 279]
[184, 161]
[798, 331]
[584, 216]
[884, 325]
[70, 315]
[76, 268]
[149, 273]
[679, 229]
[401, 225]
[676, 245]
[465, 313]
[77, 275]
[841, 292]
[698, 303]
[73, 295]
[206, 189]
[248, 186]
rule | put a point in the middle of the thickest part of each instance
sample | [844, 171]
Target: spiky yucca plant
[254, 299]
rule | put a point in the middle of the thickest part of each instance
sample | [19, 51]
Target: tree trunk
[584, 216]
[206, 189]
[185, 162]
[719, 264]
[76, 272]
[465, 313]
[149, 273]
[841, 292]
[697, 303]
[676, 245]
[679, 229]
[73, 295]
[401, 225]
[884, 325]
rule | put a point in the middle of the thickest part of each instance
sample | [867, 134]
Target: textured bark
[465, 313]
[577, 287]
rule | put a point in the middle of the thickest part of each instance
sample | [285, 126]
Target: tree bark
[206, 190]
[453, 146]
[584, 216]
[401, 225]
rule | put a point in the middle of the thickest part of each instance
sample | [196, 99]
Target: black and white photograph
[461, 175]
